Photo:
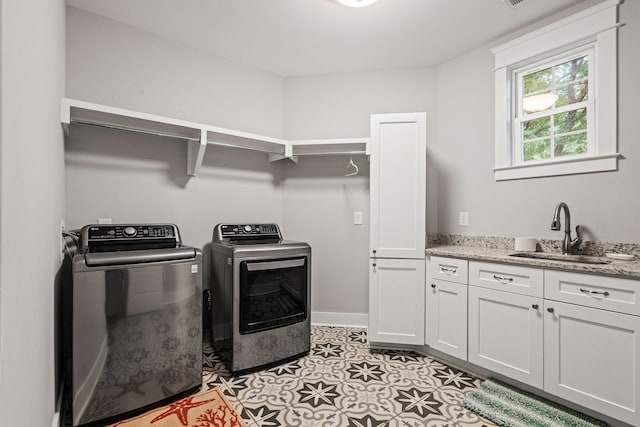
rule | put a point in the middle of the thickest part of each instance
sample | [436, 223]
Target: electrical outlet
[62, 243]
[357, 218]
[464, 219]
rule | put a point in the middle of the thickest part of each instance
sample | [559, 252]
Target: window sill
[602, 163]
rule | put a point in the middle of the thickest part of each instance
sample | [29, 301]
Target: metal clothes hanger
[352, 165]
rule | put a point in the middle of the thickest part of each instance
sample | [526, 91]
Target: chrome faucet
[568, 244]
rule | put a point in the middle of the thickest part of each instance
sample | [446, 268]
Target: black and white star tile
[344, 383]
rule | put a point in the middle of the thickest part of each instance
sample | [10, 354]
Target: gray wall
[319, 201]
[605, 204]
[113, 64]
[31, 206]
[129, 177]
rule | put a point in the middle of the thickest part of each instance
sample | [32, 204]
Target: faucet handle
[575, 243]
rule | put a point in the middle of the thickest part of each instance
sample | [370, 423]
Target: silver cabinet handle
[448, 270]
[503, 279]
[587, 291]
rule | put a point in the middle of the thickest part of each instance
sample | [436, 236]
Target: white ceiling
[305, 37]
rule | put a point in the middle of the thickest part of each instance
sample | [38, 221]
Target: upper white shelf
[198, 135]
[314, 147]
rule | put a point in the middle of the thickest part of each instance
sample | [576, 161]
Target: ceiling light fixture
[541, 102]
[357, 3]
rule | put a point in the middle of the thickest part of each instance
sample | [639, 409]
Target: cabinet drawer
[448, 269]
[607, 293]
[508, 278]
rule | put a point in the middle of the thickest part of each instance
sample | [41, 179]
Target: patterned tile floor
[343, 383]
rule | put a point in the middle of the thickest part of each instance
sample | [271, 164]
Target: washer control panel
[129, 236]
[138, 231]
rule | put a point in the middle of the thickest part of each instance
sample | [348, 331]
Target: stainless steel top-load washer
[261, 296]
[136, 321]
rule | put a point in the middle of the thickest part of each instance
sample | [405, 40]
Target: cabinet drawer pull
[448, 270]
[503, 279]
[535, 306]
[550, 310]
[433, 286]
[587, 291]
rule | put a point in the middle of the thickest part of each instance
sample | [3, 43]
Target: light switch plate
[464, 219]
[357, 218]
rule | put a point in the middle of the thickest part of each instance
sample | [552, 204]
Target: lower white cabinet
[447, 317]
[573, 335]
[396, 301]
[505, 334]
[592, 358]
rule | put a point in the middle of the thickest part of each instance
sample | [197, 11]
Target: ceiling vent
[513, 2]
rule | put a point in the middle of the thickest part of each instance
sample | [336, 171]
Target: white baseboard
[56, 420]
[352, 320]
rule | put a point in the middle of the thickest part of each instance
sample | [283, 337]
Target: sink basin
[560, 257]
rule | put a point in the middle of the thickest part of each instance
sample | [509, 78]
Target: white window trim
[598, 25]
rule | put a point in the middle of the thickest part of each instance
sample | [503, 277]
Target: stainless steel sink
[560, 257]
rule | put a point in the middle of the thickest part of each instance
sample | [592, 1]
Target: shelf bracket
[278, 157]
[65, 115]
[195, 153]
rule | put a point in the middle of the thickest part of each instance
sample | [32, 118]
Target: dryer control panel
[254, 231]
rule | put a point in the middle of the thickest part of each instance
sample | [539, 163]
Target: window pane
[570, 121]
[572, 93]
[537, 150]
[537, 128]
[537, 81]
[571, 144]
[571, 70]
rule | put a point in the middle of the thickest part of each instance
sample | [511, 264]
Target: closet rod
[128, 129]
[331, 153]
[262, 150]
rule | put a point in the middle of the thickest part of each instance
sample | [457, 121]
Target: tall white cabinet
[397, 233]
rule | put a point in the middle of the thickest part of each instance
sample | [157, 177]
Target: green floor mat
[510, 407]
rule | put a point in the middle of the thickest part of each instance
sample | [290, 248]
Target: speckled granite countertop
[628, 269]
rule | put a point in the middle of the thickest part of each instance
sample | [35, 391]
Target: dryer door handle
[275, 265]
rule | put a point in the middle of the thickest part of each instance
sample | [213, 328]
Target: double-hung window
[556, 98]
[554, 108]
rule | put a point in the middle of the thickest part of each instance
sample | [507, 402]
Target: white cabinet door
[398, 185]
[447, 317]
[396, 301]
[505, 334]
[592, 358]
